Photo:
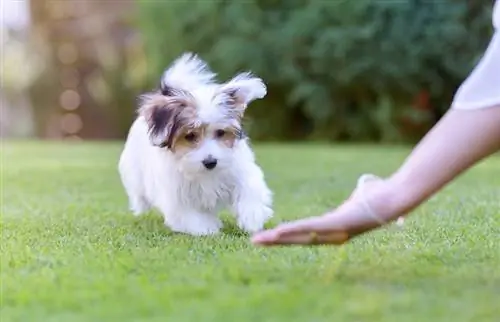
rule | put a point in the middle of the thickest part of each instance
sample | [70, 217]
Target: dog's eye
[220, 133]
[190, 137]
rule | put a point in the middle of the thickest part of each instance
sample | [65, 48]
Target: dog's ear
[163, 117]
[242, 89]
[186, 73]
[166, 90]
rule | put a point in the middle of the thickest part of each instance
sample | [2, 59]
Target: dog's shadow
[151, 224]
[231, 229]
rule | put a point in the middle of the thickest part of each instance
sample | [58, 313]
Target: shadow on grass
[231, 228]
[152, 224]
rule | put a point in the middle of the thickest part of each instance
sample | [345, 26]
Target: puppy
[186, 153]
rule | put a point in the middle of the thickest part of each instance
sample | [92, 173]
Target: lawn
[70, 251]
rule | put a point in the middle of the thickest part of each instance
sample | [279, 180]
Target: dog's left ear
[242, 89]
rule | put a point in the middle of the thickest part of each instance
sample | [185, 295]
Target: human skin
[461, 139]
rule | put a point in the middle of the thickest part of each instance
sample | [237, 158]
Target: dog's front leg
[183, 219]
[252, 202]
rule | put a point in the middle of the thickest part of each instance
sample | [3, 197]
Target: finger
[335, 238]
[307, 225]
[296, 227]
[304, 238]
[265, 237]
[271, 235]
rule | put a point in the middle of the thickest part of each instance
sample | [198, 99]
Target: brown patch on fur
[228, 138]
[172, 122]
[189, 137]
[167, 116]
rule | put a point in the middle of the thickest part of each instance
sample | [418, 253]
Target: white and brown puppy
[187, 155]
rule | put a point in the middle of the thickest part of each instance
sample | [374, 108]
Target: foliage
[340, 70]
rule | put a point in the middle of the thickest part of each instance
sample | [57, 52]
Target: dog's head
[196, 118]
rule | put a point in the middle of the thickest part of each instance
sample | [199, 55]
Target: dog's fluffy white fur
[186, 154]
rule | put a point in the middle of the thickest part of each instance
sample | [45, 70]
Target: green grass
[70, 251]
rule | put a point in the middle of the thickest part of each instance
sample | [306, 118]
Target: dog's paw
[196, 225]
[138, 206]
[253, 220]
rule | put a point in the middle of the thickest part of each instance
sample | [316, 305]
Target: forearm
[457, 142]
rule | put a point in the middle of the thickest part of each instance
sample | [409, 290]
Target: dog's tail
[186, 73]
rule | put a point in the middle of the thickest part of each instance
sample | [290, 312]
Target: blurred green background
[338, 70]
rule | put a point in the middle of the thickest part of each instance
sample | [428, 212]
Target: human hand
[353, 218]
[334, 228]
[309, 231]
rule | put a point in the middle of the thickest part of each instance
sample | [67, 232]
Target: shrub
[336, 70]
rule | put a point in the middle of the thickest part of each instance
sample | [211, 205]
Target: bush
[336, 70]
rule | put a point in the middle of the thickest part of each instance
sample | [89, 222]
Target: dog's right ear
[162, 116]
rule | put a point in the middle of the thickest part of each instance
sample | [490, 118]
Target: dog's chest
[208, 195]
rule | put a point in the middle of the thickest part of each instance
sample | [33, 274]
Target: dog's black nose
[209, 163]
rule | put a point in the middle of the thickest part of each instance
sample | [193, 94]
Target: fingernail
[262, 237]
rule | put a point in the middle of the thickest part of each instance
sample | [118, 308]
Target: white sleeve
[481, 89]
[496, 14]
